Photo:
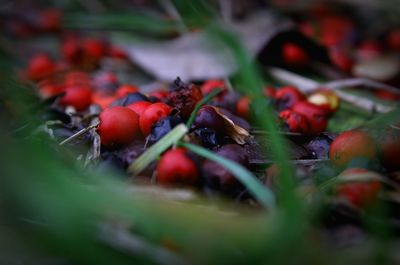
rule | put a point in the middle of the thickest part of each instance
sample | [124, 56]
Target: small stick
[84, 130]
[307, 85]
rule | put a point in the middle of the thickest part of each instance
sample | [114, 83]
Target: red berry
[316, 116]
[359, 194]
[117, 53]
[159, 94]
[295, 121]
[77, 78]
[327, 100]
[124, 90]
[40, 66]
[243, 107]
[287, 97]
[71, 49]
[118, 126]
[342, 60]
[293, 54]
[393, 39]
[269, 92]
[388, 143]
[103, 100]
[334, 30]
[212, 84]
[369, 49]
[77, 96]
[175, 166]
[350, 145]
[151, 115]
[49, 89]
[94, 48]
[139, 106]
[50, 19]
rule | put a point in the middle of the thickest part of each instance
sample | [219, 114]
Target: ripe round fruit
[40, 66]
[293, 54]
[350, 145]
[393, 39]
[243, 107]
[295, 121]
[94, 48]
[388, 143]
[139, 107]
[359, 194]
[118, 126]
[151, 115]
[315, 115]
[124, 90]
[175, 166]
[326, 99]
[342, 60]
[212, 84]
[287, 97]
[77, 96]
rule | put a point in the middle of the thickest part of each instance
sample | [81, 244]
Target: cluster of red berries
[338, 32]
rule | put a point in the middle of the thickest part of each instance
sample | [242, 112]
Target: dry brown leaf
[237, 133]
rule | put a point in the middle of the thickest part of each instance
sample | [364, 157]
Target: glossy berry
[176, 167]
[295, 121]
[124, 90]
[49, 89]
[213, 84]
[350, 145]
[207, 117]
[77, 96]
[243, 107]
[71, 49]
[393, 39]
[94, 48]
[359, 194]
[159, 94]
[77, 78]
[293, 54]
[50, 20]
[269, 92]
[139, 107]
[316, 116]
[388, 143]
[118, 126]
[117, 53]
[341, 60]
[151, 115]
[326, 99]
[102, 100]
[40, 66]
[287, 97]
[369, 49]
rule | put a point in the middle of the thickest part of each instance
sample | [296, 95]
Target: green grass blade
[264, 196]
[158, 148]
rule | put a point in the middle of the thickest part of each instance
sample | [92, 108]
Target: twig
[225, 7]
[352, 82]
[79, 133]
[308, 85]
[119, 237]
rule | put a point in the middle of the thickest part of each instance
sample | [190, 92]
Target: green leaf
[264, 196]
[199, 104]
[157, 149]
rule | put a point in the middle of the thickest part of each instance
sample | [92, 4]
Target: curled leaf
[237, 133]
